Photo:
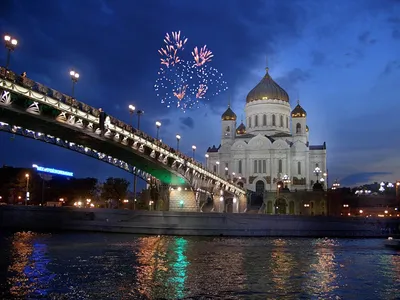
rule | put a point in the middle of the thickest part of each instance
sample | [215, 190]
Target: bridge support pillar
[183, 199]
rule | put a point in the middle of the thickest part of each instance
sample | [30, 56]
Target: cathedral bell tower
[228, 125]
[299, 123]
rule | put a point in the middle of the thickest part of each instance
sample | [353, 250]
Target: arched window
[280, 168]
[298, 128]
[264, 120]
[281, 121]
[298, 167]
[273, 120]
[256, 121]
[287, 122]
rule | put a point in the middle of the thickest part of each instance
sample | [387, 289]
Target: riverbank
[186, 223]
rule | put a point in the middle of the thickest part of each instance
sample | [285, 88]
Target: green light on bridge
[181, 203]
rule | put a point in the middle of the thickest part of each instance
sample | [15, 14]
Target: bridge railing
[91, 114]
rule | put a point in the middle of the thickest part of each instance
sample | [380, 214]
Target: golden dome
[266, 89]
[298, 111]
[241, 129]
[229, 115]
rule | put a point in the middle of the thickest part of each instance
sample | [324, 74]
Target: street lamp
[139, 114]
[158, 125]
[131, 111]
[317, 171]
[178, 138]
[194, 150]
[74, 77]
[27, 189]
[10, 43]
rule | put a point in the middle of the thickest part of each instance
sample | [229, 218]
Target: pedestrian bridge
[32, 110]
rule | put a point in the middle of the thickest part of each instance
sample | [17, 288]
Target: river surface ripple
[117, 266]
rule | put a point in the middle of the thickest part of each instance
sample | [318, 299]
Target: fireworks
[185, 83]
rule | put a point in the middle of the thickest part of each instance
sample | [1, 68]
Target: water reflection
[323, 273]
[27, 273]
[281, 265]
[151, 265]
[101, 266]
[179, 264]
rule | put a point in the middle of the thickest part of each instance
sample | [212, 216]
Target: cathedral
[271, 150]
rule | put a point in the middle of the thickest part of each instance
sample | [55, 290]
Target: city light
[52, 171]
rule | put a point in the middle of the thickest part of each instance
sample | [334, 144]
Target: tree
[114, 189]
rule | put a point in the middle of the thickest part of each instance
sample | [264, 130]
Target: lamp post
[132, 109]
[158, 125]
[10, 43]
[139, 114]
[74, 77]
[194, 150]
[27, 188]
[317, 171]
[178, 138]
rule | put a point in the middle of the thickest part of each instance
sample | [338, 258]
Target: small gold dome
[241, 129]
[266, 89]
[298, 111]
[229, 115]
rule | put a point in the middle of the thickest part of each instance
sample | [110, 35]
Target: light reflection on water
[113, 266]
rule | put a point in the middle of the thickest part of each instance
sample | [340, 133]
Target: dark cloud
[396, 34]
[357, 178]
[365, 38]
[391, 67]
[188, 122]
[318, 58]
[291, 80]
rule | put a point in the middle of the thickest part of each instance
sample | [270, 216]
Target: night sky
[341, 58]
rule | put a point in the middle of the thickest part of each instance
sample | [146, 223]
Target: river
[121, 266]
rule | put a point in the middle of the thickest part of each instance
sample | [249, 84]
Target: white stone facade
[273, 144]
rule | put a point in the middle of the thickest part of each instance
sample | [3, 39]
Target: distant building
[271, 148]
